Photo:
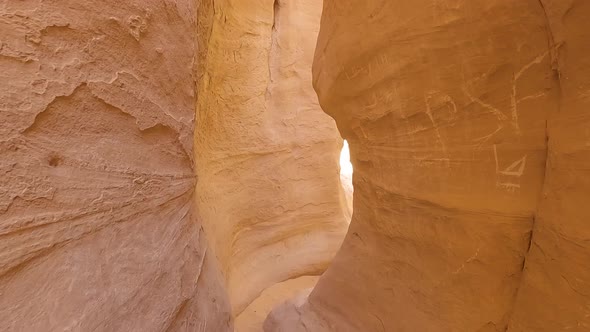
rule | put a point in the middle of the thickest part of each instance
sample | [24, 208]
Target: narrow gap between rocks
[346, 171]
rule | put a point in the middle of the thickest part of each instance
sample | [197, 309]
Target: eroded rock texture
[97, 229]
[467, 123]
[555, 291]
[267, 156]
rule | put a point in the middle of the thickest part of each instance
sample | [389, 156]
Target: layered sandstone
[467, 123]
[97, 202]
[467, 126]
[267, 157]
[97, 226]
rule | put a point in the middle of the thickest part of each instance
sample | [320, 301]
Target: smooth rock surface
[252, 318]
[97, 226]
[555, 291]
[267, 157]
[467, 127]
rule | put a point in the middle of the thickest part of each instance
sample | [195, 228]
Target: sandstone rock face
[267, 156]
[555, 291]
[252, 318]
[468, 127]
[97, 229]
[467, 124]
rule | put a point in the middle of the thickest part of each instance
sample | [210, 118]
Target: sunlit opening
[345, 164]
[346, 176]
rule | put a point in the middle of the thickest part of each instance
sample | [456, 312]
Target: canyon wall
[467, 123]
[97, 225]
[555, 291]
[468, 128]
[267, 157]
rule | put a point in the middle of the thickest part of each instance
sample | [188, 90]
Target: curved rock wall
[555, 291]
[466, 123]
[267, 156]
[97, 229]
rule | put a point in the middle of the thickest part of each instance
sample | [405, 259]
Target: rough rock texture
[97, 229]
[467, 123]
[267, 156]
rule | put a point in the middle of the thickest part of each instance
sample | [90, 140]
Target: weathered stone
[466, 123]
[267, 156]
[97, 226]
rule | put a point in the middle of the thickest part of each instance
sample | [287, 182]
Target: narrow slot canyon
[267, 158]
[294, 165]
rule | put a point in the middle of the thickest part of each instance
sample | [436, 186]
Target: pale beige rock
[266, 155]
[97, 228]
[452, 110]
[252, 318]
[295, 315]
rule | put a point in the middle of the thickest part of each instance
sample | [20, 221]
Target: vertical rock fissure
[550, 37]
[553, 49]
[275, 22]
[272, 52]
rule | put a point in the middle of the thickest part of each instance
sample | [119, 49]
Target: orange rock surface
[97, 226]
[466, 123]
[166, 165]
[100, 223]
